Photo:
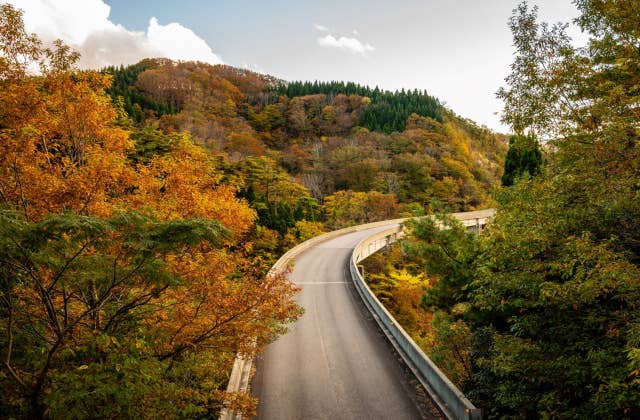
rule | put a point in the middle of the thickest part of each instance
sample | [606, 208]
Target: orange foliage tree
[125, 287]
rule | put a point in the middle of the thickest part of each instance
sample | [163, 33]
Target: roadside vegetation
[538, 316]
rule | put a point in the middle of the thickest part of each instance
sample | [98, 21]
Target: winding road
[335, 363]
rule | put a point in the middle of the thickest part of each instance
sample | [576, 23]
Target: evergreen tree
[388, 111]
[524, 156]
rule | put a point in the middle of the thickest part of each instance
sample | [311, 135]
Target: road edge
[450, 400]
[240, 377]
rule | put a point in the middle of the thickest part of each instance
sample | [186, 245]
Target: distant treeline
[388, 111]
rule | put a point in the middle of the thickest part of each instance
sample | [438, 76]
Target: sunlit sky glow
[457, 50]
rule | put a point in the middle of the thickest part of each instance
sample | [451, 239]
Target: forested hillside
[314, 156]
[386, 111]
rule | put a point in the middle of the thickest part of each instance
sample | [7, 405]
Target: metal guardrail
[447, 396]
[241, 371]
[240, 374]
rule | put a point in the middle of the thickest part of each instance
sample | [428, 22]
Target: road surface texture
[335, 362]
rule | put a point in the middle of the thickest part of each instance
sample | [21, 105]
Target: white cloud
[321, 28]
[352, 45]
[355, 32]
[85, 26]
[179, 43]
[253, 67]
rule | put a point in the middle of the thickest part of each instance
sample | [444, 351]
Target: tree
[548, 294]
[524, 157]
[348, 208]
[557, 288]
[59, 149]
[545, 63]
[449, 252]
[17, 48]
[126, 280]
[92, 306]
[75, 290]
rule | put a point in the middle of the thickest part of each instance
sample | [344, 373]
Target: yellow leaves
[185, 183]
[459, 139]
[218, 309]
[307, 230]
[456, 169]
[241, 402]
[163, 293]
[68, 156]
[345, 208]
[403, 276]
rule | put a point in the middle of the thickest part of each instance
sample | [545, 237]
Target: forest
[305, 155]
[387, 111]
[142, 206]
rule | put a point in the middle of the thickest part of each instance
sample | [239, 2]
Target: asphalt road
[334, 363]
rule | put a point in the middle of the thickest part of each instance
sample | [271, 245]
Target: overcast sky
[457, 50]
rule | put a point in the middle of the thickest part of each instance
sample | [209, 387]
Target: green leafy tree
[558, 282]
[450, 252]
[550, 291]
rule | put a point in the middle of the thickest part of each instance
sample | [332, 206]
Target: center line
[321, 282]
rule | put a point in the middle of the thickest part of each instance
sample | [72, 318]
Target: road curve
[335, 363]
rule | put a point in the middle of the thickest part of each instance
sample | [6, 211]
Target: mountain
[291, 148]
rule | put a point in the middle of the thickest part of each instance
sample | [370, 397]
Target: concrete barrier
[447, 396]
[241, 371]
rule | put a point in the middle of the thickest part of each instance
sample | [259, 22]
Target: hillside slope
[336, 153]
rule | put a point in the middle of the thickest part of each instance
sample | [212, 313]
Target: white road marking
[321, 282]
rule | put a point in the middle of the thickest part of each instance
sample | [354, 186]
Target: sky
[456, 50]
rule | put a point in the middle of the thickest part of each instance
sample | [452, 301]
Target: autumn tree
[74, 291]
[348, 208]
[278, 199]
[126, 285]
[18, 49]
